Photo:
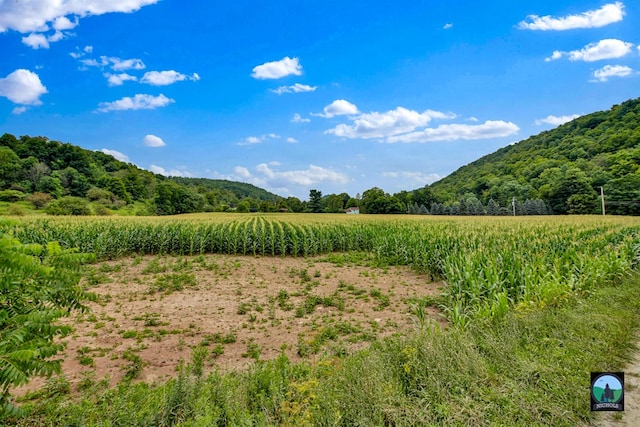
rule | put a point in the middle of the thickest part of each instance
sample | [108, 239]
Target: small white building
[353, 211]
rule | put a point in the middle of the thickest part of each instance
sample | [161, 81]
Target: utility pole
[602, 197]
[513, 205]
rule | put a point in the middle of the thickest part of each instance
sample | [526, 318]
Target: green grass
[531, 367]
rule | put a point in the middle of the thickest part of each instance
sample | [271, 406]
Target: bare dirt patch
[152, 312]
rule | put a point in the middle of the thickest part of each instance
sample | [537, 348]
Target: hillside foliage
[565, 167]
[55, 175]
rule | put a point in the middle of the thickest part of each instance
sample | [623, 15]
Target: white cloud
[339, 107]
[251, 140]
[172, 172]
[297, 118]
[40, 15]
[607, 14]
[296, 88]
[63, 23]
[393, 122]
[277, 69]
[119, 79]
[115, 63]
[164, 78]
[454, 132]
[57, 36]
[556, 120]
[555, 55]
[413, 178]
[19, 110]
[36, 41]
[266, 176]
[292, 140]
[153, 141]
[447, 26]
[80, 53]
[118, 64]
[608, 71]
[41, 41]
[118, 155]
[604, 49]
[138, 102]
[22, 87]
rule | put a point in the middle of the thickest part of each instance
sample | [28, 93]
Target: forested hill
[68, 179]
[565, 167]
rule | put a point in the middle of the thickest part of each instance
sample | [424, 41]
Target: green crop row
[488, 266]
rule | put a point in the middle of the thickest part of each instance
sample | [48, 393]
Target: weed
[253, 350]
[173, 282]
[135, 366]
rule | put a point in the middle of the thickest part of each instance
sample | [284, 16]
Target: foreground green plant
[38, 285]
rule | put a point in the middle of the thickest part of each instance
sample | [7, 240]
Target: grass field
[529, 306]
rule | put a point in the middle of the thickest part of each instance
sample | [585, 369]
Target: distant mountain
[240, 189]
[565, 167]
[45, 172]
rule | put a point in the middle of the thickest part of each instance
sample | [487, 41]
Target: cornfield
[489, 266]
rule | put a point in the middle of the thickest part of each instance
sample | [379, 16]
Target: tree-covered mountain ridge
[566, 167]
[67, 179]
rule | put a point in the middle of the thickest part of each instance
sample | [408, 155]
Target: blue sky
[298, 95]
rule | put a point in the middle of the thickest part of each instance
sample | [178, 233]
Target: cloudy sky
[338, 96]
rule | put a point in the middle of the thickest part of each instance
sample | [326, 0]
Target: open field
[239, 308]
[446, 321]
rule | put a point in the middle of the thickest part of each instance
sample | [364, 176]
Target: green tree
[38, 287]
[315, 201]
[116, 186]
[334, 203]
[294, 204]
[244, 206]
[10, 166]
[376, 201]
[73, 182]
[572, 182]
[50, 185]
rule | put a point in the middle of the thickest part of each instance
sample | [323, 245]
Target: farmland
[292, 307]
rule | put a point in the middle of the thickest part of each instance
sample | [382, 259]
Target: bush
[11, 196]
[101, 210]
[39, 200]
[15, 210]
[98, 194]
[39, 286]
[69, 206]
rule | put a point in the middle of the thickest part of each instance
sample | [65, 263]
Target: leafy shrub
[11, 196]
[15, 210]
[37, 290]
[69, 206]
[101, 210]
[38, 200]
[98, 193]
